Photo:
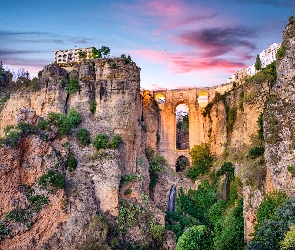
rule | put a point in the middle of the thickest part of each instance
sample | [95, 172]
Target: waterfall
[171, 205]
[225, 189]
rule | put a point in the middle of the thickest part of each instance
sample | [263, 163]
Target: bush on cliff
[156, 163]
[101, 141]
[51, 180]
[83, 136]
[196, 237]
[73, 85]
[274, 216]
[71, 163]
[11, 139]
[201, 161]
[63, 122]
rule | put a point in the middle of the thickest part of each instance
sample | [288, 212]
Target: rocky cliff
[60, 193]
[104, 202]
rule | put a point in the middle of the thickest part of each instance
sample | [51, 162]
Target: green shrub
[288, 243]
[114, 243]
[178, 223]
[63, 122]
[201, 161]
[73, 85]
[126, 178]
[156, 163]
[26, 128]
[227, 167]
[51, 180]
[43, 124]
[74, 118]
[71, 163]
[8, 128]
[270, 203]
[127, 192]
[260, 125]
[267, 74]
[281, 52]
[3, 231]
[37, 202]
[230, 234]
[34, 83]
[256, 152]
[101, 141]
[60, 121]
[271, 230]
[156, 231]
[231, 118]
[196, 237]
[11, 139]
[216, 211]
[113, 64]
[83, 136]
[92, 107]
[116, 141]
[18, 215]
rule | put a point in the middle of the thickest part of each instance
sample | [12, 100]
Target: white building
[251, 71]
[268, 55]
[71, 56]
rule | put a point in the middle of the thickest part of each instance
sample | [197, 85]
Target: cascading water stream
[171, 205]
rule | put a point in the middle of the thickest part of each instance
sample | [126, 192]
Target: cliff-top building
[267, 56]
[70, 56]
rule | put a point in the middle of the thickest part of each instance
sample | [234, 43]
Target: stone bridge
[194, 99]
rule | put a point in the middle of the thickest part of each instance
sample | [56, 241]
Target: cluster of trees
[10, 80]
[102, 52]
[210, 217]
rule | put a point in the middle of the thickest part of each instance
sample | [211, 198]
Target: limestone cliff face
[279, 118]
[86, 211]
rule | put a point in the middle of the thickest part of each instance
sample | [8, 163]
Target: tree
[258, 64]
[201, 161]
[194, 238]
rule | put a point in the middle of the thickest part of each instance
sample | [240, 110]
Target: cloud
[15, 37]
[218, 41]
[276, 3]
[184, 21]
[190, 61]
[7, 52]
[16, 33]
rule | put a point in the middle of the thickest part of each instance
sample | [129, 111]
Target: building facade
[70, 56]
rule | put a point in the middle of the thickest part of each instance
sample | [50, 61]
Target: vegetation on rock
[74, 85]
[201, 161]
[63, 122]
[222, 220]
[51, 180]
[83, 136]
[156, 163]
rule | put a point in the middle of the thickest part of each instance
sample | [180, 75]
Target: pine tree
[258, 63]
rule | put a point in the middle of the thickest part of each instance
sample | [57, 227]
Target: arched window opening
[182, 127]
[160, 98]
[182, 163]
[203, 99]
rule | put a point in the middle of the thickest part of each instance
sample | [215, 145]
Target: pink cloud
[187, 62]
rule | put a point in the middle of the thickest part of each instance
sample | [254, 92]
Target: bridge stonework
[167, 123]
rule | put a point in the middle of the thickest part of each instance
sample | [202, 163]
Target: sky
[176, 43]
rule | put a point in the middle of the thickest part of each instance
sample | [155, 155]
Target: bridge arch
[182, 163]
[195, 99]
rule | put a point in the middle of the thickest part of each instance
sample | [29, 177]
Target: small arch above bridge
[182, 163]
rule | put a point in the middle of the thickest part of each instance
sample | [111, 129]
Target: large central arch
[196, 100]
